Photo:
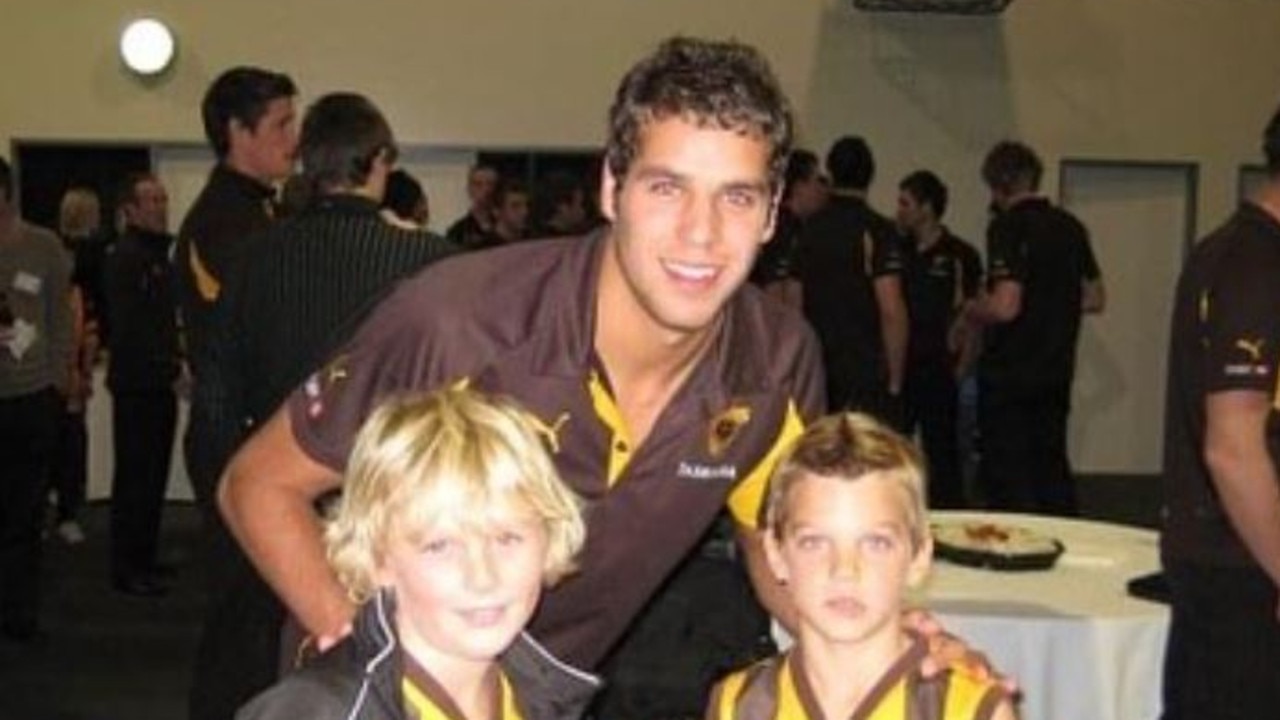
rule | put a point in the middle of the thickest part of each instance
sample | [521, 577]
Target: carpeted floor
[107, 656]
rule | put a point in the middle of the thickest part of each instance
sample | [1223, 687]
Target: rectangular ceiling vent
[945, 7]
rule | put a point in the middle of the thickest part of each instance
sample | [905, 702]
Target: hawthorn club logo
[724, 428]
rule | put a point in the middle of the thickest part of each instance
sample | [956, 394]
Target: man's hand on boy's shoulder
[948, 652]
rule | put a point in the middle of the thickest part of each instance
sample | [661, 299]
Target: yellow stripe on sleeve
[207, 285]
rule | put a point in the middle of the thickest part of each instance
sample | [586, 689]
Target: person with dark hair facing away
[559, 206]
[943, 276]
[249, 120]
[405, 202]
[310, 276]
[849, 261]
[143, 365]
[1041, 277]
[1220, 544]
[663, 387]
[804, 192]
[510, 209]
[35, 355]
[469, 231]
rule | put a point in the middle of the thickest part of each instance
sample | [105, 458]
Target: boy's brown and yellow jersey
[777, 689]
[426, 699]
[519, 321]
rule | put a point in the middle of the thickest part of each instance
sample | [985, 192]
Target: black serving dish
[1020, 562]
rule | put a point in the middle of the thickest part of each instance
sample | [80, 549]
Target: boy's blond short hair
[850, 446]
[446, 457]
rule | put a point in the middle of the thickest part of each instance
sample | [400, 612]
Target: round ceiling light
[147, 46]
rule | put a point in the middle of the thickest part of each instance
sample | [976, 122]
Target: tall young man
[1221, 540]
[942, 277]
[1042, 277]
[849, 262]
[664, 389]
[142, 368]
[250, 123]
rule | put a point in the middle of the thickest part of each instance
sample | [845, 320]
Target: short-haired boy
[846, 535]
[451, 521]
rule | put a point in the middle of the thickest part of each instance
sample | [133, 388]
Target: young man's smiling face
[688, 218]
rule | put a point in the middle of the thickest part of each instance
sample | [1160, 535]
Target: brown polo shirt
[518, 321]
[1225, 336]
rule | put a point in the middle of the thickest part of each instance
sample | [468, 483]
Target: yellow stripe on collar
[620, 446]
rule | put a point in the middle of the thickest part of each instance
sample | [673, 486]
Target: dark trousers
[28, 433]
[1024, 464]
[143, 425]
[70, 470]
[932, 405]
[238, 655]
[1222, 660]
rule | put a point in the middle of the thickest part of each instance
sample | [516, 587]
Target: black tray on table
[991, 560]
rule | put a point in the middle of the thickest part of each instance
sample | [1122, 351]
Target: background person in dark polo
[468, 231]
[663, 388]
[849, 262]
[804, 192]
[250, 123]
[1221, 539]
[142, 367]
[1041, 276]
[942, 277]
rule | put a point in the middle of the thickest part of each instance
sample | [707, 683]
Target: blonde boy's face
[464, 592]
[846, 557]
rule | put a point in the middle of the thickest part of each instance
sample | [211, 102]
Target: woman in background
[79, 225]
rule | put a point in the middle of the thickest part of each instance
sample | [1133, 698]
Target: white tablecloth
[102, 457]
[1079, 645]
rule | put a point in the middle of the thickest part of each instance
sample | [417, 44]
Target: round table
[1079, 645]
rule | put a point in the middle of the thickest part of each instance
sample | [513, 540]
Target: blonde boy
[452, 520]
[846, 535]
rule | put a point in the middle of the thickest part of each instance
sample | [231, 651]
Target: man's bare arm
[1093, 296]
[266, 496]
[1001, 305]
[1235, 451]
[894, 327]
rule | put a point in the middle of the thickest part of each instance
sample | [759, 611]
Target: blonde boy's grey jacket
[359, 679]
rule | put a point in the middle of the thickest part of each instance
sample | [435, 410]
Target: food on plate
[996, 545]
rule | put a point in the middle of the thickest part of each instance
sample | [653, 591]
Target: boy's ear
[773, 554]
[608, 198]
[918, 570]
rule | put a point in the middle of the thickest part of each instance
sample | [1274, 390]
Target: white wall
[1153, 80]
